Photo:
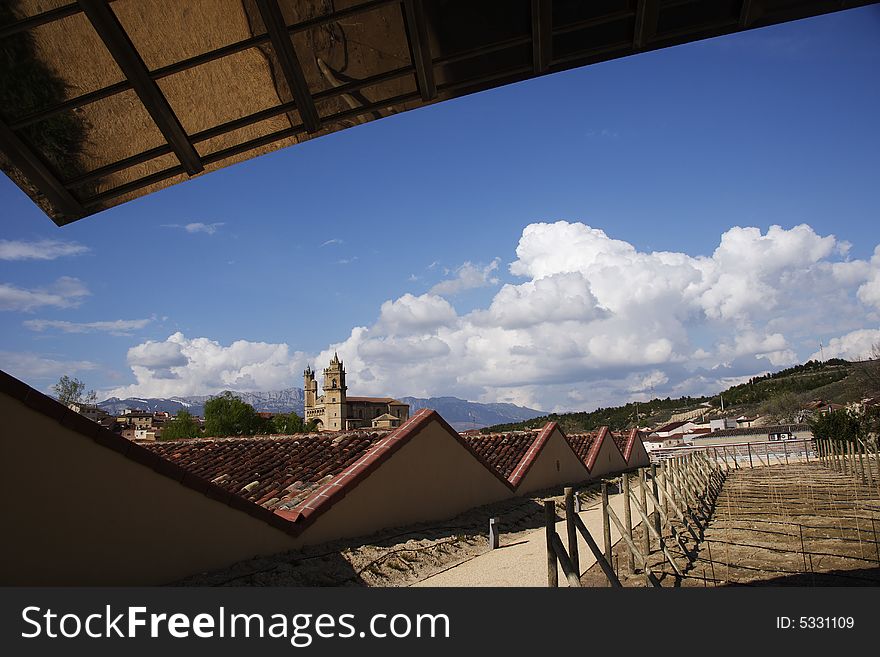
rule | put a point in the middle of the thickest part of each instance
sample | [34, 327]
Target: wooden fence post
[570, 529]
[863, 449]
[600, 558]
[646, 537]
[550, 531]
[657, 524]
[749, 445]
[632, 546]
[877, 460]
[627, 521]
[643, 513]
[858, 449]
[606, 523]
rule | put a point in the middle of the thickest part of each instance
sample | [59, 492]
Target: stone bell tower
[310, 388]
[335, 408]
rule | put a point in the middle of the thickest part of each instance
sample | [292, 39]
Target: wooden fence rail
[682, 494]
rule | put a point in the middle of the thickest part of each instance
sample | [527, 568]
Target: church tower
[334, 395]
[310, 388]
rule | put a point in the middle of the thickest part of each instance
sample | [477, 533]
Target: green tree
[73, 391]
[842, 426]
[227, 415]
[292, 423]
[182, 426]
[287, 423]
[784, 407]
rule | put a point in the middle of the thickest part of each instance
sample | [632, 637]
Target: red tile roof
[502, 452]
[621, 439]
[582, 443]
[587, 445]
[275, 472]
[625, 441]
[373, 400]
[289, 481]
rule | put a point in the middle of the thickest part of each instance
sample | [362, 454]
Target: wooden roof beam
[129, 61]
[420, 49]
[647, 14]
[273, 19]
[746, 13]
[542, 35]
[26, 160]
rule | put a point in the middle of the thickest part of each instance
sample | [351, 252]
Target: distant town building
[336, 411]
[820, 407]
[91, 411]
[673, 428]
[722, 423]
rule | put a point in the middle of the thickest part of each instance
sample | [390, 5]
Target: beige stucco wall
[608, 460]
[638, 457]
[708, 439]
[431, 477]
[556, 465]
[75, 512]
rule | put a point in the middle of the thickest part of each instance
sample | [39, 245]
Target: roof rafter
[746, 13]
[129, 61]
[647, 13]
[417, 27]
[23, 157]
[273, 19]
[542, 35]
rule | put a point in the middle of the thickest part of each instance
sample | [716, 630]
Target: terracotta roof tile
[502, 452]
[582, 443]
[277, 472]
[621, 438]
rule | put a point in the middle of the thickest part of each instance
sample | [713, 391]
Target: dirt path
[521, 560]
[400, 556]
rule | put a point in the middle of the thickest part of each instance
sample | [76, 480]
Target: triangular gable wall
[423, 472]
[554, 464]
[605, 458]
[86, 507]
[637, 456]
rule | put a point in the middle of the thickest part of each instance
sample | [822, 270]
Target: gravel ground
[397, 557]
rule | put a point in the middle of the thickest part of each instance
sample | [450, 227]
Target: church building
[336, 411]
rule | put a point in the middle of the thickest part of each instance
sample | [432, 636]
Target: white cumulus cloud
[855, 345]
[593, 321]
[468, 277]
[66, 292]
[39, 250]
[196, 366]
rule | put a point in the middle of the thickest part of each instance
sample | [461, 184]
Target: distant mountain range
[276, 401]
[460, 413]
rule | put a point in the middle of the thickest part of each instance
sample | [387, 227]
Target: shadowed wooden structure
[105, 101]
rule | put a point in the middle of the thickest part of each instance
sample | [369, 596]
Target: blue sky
[694, 151]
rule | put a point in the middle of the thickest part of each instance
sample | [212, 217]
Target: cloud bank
[589, 321]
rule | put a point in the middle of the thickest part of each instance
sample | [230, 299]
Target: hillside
[777, 393]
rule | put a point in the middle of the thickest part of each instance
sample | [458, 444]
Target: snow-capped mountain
[460, 413]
